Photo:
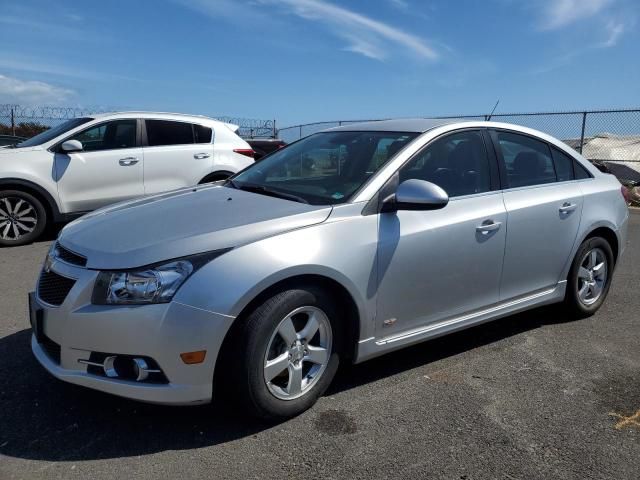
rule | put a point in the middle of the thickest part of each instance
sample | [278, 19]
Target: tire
[257, 384]
[588, 282]
[23, 218]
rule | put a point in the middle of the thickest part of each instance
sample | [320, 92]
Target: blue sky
[309, 60]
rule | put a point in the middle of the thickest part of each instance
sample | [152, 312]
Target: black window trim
[144, 142]
[502, 166]
[55, 148]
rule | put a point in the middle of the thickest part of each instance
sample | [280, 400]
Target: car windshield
[52, 133]
[323, 169]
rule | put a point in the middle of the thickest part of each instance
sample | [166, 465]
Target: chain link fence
[611, 137]
[27, 121]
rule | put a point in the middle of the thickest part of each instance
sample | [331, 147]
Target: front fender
[230, 282]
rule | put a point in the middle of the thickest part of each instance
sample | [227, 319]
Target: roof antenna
[494, 109]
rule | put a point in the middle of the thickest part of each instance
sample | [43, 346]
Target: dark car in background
[264, 146]
[6, 140]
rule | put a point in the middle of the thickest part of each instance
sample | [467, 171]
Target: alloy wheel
[592, 276]
[298, 353]
[18, 217]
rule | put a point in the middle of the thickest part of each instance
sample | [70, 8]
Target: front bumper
[160, 332]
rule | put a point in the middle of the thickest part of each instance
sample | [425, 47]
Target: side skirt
[373, 347]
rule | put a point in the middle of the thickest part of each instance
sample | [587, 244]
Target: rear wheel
[288, 353]
[22, 218]
[590, 277]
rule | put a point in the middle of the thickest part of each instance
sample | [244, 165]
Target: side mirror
[71, 146]
[416, 194]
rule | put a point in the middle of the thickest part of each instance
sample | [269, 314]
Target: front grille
[51, 348]
[69, 257]
[54, 288]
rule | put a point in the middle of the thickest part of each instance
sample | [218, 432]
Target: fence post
[340, 123]
[584, 123]
[300, 135]
[275, 130]
[13, 123]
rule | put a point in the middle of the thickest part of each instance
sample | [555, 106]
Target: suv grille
[54, 288]
[69, 257]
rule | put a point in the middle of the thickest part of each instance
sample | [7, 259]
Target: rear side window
[564, 165]
[527, 161]
[202, 133]
[166, 132]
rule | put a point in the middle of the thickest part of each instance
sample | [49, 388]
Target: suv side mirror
[416, 194]
[71, 146]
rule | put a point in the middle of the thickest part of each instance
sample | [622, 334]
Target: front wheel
[289, 353]
[22, 218]
[590, 277]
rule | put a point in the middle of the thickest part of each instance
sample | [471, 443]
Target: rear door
[107, 170]
[177, 154]
[544, 206]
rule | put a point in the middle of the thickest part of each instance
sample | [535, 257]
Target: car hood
[180, 223]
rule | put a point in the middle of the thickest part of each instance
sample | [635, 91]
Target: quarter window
[108, 136]
[564, 165]
[527, 161]
[580, 172]
[202, 133]
[458, 163]
[165, 132]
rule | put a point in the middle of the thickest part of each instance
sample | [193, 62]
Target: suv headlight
[155, 284]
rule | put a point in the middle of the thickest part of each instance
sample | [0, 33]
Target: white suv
[89, 162]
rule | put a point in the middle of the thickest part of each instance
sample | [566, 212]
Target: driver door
[109, 168]
[437, 265]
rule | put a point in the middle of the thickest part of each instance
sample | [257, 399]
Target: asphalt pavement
[531, 396]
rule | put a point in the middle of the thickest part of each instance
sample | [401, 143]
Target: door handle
[200, 156]
[128, 161]
[488, 226]
[567, 207]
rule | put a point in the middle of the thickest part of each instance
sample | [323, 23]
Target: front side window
[166, 132]
[52, 133]
[458, 163]
[108, 136]
[323, 169]
[527, 161]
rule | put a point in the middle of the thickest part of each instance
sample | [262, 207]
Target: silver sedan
[345, 245]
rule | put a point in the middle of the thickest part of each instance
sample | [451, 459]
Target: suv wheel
[590, 277]
[22, 218]
[289, 353]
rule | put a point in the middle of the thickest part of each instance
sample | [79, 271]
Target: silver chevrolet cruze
[345, 245]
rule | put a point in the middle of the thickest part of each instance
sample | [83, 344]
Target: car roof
[416, 125]
[159, 115]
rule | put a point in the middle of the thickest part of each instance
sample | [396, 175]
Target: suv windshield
[322, 169]
[52, 133]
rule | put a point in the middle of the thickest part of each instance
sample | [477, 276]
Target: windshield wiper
[267, 191]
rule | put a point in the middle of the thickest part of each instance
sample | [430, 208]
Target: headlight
[157, 284]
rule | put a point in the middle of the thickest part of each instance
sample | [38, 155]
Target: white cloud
[364, 35]
[14, 90]
[560, 13]
[400, 4]
[614, 30]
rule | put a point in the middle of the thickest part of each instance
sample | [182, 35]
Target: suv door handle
[128, 161]
[488, 226]
[200, 156]
[568, 207]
